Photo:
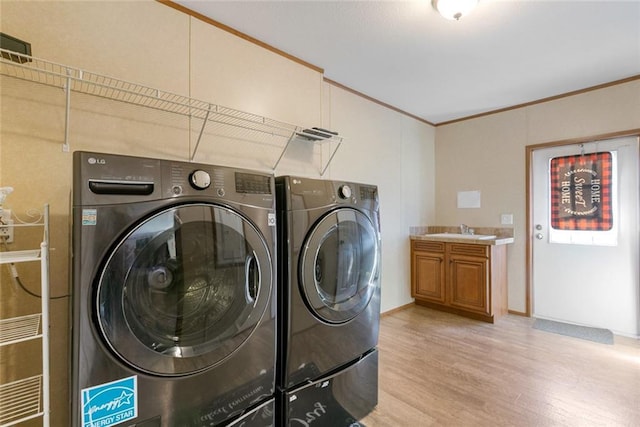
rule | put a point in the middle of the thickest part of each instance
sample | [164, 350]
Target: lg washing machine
[329, 297]
[173, 294]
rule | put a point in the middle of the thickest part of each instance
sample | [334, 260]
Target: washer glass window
[184, 289]
[339, 265]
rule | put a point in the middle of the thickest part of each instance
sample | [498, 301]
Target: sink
[463, 236]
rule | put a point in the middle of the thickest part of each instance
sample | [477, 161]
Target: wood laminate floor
[439, 369]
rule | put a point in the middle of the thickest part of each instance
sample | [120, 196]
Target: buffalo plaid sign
[581, 192]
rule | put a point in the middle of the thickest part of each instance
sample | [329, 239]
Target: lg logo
[94, 161]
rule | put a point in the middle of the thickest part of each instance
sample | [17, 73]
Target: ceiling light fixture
[454, 9]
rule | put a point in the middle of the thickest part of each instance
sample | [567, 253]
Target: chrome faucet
[464, 229]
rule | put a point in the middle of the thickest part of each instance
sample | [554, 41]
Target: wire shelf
[19, 329]
[226, 121]
[19, 256]
[20, 401]
[28, 398]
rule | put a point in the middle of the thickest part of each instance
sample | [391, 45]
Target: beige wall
[154, 45]
[488, 154]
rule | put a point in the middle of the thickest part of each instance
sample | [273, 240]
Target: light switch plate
[506, 219]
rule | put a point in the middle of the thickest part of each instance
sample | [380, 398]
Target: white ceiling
[403, 53]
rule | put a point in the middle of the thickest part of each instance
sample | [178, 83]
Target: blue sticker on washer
[111, 403]
[89, 216]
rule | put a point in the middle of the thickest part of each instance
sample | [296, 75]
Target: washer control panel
[344, 192]
[199, 179]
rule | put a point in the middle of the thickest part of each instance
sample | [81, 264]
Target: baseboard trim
[406, 306]
[396, 310]
[518, 313]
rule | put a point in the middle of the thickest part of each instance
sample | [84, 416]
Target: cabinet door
[468, 283]
[428, 281]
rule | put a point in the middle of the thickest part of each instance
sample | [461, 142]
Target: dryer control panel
[310, 193]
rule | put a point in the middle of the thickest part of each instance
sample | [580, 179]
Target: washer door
[184, 289]
[338, 268]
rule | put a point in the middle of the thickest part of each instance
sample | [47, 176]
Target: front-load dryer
[329, 276]
[173, 294]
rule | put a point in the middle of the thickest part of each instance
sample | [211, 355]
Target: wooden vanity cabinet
[462, 278]
[428, 271]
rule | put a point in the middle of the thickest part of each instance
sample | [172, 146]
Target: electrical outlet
[506, 219]
[6, 226]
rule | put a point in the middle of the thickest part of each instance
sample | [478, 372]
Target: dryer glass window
[339, 265]
[184, 289]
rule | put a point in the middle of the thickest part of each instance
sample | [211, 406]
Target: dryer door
[184, 289]
[339, 265]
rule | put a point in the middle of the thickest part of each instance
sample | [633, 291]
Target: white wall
[488, 154]
[397, 154]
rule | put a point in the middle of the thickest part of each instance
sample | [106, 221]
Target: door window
[339, 265]
[184, 289]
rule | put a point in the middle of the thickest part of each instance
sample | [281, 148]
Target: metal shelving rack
[28, 398]
[226, 121]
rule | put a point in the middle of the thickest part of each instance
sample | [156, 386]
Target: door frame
[529, 149]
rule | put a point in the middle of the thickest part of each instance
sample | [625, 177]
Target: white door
[587, 276]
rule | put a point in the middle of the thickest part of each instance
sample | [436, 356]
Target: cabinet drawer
[467, 249]
[427, 246]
